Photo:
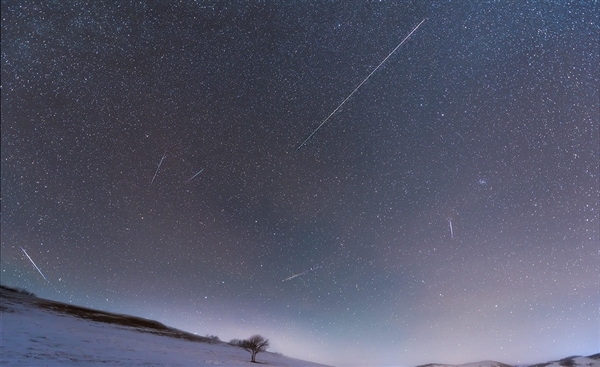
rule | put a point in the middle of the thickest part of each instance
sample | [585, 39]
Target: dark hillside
[139, 323]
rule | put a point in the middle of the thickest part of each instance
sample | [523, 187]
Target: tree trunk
[253, 357]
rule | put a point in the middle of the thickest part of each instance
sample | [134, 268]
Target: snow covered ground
[574, 362]
[591, 361]
[37, 332]
[474, 364]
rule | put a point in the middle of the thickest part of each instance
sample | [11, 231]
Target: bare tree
[254, 345]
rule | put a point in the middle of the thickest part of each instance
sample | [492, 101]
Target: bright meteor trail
[157, 168]
[360, 85]
[38, 269]
[194, 176]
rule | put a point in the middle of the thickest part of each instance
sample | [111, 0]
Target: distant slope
[473, 364]
[573, 361]
[39, 332]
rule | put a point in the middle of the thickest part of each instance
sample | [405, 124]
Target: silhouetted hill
[40, 332]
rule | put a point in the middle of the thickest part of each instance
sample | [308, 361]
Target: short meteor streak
[38, 269]
[360, 85]
[194, 176]
[451, 230]
[300, 274]
[157, 168]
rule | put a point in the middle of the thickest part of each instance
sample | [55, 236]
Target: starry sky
[447, 212]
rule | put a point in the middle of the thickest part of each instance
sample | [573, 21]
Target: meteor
[157, 168]
[194, 176]
[301, 274]
[360, 85]
[36, 267]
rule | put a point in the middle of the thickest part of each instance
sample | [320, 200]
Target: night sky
[447, 212]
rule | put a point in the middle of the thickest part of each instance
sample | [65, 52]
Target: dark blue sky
[485, 120]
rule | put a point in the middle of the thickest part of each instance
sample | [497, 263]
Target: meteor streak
[451, 230]
[38, 269]
[197, 173]
[360, 85]
[157, 168]
[301, 274]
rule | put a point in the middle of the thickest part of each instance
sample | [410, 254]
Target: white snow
[577, 361]
[34, 336]
[473, 364]
[38, 336]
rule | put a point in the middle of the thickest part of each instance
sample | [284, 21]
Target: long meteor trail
[360, 85]
[157, 168]
[38, 269]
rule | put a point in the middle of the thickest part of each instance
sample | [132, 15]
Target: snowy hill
[474, 364]
[39, 332]
[574, 361]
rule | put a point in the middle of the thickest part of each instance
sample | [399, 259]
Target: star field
[447, 212]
